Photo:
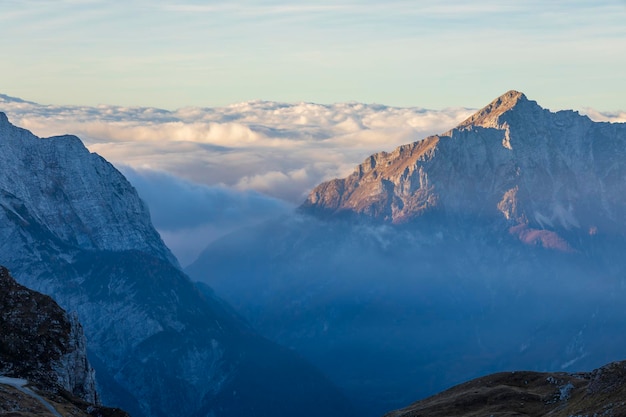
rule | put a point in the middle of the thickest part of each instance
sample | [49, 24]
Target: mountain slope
[511, 161]
[597, 393]
[73, 197]
[72, 227]
[496, 245]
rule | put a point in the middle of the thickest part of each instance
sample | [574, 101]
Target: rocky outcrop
[601, 392]
[41, 343]
[496, 245]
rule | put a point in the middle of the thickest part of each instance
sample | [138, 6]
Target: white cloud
[224, 167]
[613, 117]
[279, 149]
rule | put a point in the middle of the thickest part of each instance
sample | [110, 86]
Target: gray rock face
[540, 173]
[42, 343]
[76, 198]
[72, 227]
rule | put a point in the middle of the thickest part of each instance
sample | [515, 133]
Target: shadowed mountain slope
[72, 227]
[497, 245]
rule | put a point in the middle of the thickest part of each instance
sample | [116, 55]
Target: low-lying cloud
[246, 160]
[190, 215]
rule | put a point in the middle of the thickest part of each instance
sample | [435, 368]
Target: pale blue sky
[170, 54]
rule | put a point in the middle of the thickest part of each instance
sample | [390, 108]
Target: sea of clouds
[207, 171]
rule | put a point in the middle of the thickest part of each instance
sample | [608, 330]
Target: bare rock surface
[41, 342]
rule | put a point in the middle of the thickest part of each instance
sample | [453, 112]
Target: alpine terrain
[495, 246]
[72, 227]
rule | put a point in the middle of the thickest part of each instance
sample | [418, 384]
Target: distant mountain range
[494, 246]
[72, 227]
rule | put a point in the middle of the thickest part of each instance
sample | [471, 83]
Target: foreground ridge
[43, 358]
[601, 392]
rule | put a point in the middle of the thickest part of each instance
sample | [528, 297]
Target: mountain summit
[488, 115]
[512, 162]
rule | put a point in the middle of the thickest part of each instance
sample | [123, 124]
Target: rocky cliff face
[72, 227]
[62, 195]
[41, 343]
[541, 174]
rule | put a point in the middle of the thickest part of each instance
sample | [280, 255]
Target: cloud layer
[205, 171]
[282, 150]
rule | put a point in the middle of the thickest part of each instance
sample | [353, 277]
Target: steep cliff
[42, 343]
[65, 197]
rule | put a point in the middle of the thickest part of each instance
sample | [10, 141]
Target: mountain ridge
[488, 115]
[494, 154]
[92, 216]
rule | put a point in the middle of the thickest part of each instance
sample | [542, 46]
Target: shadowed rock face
[601, 392]
[41, 343]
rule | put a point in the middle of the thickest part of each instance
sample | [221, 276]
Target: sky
[223, 114]
[172, 54]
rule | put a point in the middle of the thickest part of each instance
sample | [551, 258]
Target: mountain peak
[488, 115]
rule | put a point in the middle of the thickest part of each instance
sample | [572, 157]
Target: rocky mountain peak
[489, 115]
